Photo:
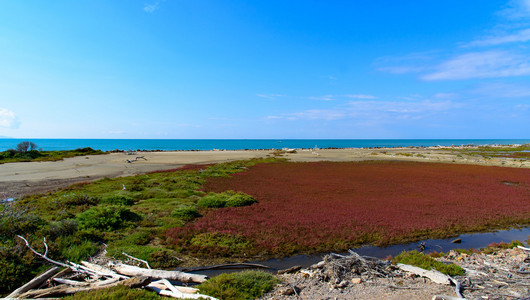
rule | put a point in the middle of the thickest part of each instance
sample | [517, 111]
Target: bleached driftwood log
[102, 270]
[34, 282]
[64, 289]
[159, 274]
[433, 275]
[175, 292]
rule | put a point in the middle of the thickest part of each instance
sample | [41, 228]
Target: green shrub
[186, 212]
[16, 219]
[240, 199]
[16, 268]
[225, 199]
[78, 250]
[117, 292]
[241, 285]
[80, 200]
[60, 228]
[213, 200]
[164, 259]
[118, 200]
[106, 218]
[426, 262]
[138, 238]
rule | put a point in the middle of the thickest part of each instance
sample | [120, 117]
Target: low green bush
[118, 200]
[426, 262]
[240, 199]
[80, 200]
[241, 285]
[106, 217]
[186, 212]
[225, 199]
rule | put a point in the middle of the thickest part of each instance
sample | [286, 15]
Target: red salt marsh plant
[310, 207]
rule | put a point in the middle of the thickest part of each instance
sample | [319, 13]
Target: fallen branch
[160, 274]
[45, 253]
[34, 282]
[64, 289]
[433, 275]
[458, 286]
[134, 258]
[175, 292]
[102, 270]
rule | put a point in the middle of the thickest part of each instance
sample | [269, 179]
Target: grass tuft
[239, 286]
[426, 262]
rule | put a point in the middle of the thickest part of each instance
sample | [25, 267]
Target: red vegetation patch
[304, 207]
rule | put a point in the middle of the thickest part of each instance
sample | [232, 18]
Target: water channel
[468, 241]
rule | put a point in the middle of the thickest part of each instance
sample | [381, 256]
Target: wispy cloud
[270, 96]
[500, 90]
[335, 97]
[504, 53]
[151, 7]
[516, 9]
[519, 36]
[8, 119]
[361, 96]
[323, 98]
[380, 111]
[487, 64]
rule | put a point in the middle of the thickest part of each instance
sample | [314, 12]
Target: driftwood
[102, 278]
[133, 160]
[433, 275]
[185, 289]
[102, 270]
[160, 274]
[140, 260]
[35, 282]
[64, 289]
[174, 291]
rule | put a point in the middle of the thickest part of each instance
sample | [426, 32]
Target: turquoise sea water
[180, 144]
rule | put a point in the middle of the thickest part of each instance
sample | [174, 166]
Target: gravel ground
[502, 274]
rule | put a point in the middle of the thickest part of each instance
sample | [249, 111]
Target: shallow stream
[468, 241]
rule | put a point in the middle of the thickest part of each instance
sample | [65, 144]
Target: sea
[243, 144]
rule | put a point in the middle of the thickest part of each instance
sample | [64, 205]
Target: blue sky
[265, 69]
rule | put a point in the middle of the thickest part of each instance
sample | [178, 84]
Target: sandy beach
[39, 177]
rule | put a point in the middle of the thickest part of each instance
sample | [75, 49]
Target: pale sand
[32, 177]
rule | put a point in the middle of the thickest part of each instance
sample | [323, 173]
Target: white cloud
[488, 64]
[151, 7]
[8, 118]
[361, 96]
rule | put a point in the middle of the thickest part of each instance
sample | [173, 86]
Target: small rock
[342, 284]
[318, 265]
[356, 280]
[291, 290]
